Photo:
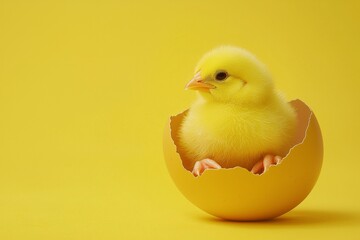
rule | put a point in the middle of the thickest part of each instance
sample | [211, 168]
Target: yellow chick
[239, 118]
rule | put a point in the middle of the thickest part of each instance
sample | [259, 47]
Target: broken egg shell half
[236, 193]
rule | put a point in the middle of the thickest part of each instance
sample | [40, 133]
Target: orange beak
[197, 83]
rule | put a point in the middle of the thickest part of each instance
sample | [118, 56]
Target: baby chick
[239, 118]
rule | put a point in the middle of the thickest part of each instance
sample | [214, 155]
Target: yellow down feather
[242, 118]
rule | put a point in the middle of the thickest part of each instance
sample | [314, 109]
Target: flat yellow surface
[86, 88]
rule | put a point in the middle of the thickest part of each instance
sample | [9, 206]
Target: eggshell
[237, 194]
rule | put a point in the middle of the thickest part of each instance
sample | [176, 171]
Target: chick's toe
[263, 165]
[201, 166]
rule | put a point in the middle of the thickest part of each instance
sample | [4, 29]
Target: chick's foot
[263, 165]
[201, 166]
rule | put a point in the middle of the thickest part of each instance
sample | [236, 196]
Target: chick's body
[238, 117]
[237, 136]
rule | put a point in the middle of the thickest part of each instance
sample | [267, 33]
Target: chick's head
[232, 75]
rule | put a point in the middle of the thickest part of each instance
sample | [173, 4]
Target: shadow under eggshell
[237, 194]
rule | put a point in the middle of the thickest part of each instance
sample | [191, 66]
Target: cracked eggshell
[237, 194]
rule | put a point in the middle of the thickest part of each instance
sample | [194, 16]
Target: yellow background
[86, 88]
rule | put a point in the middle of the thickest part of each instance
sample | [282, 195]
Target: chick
[239, 118]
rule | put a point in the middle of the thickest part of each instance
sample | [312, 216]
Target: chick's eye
[221, 76]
